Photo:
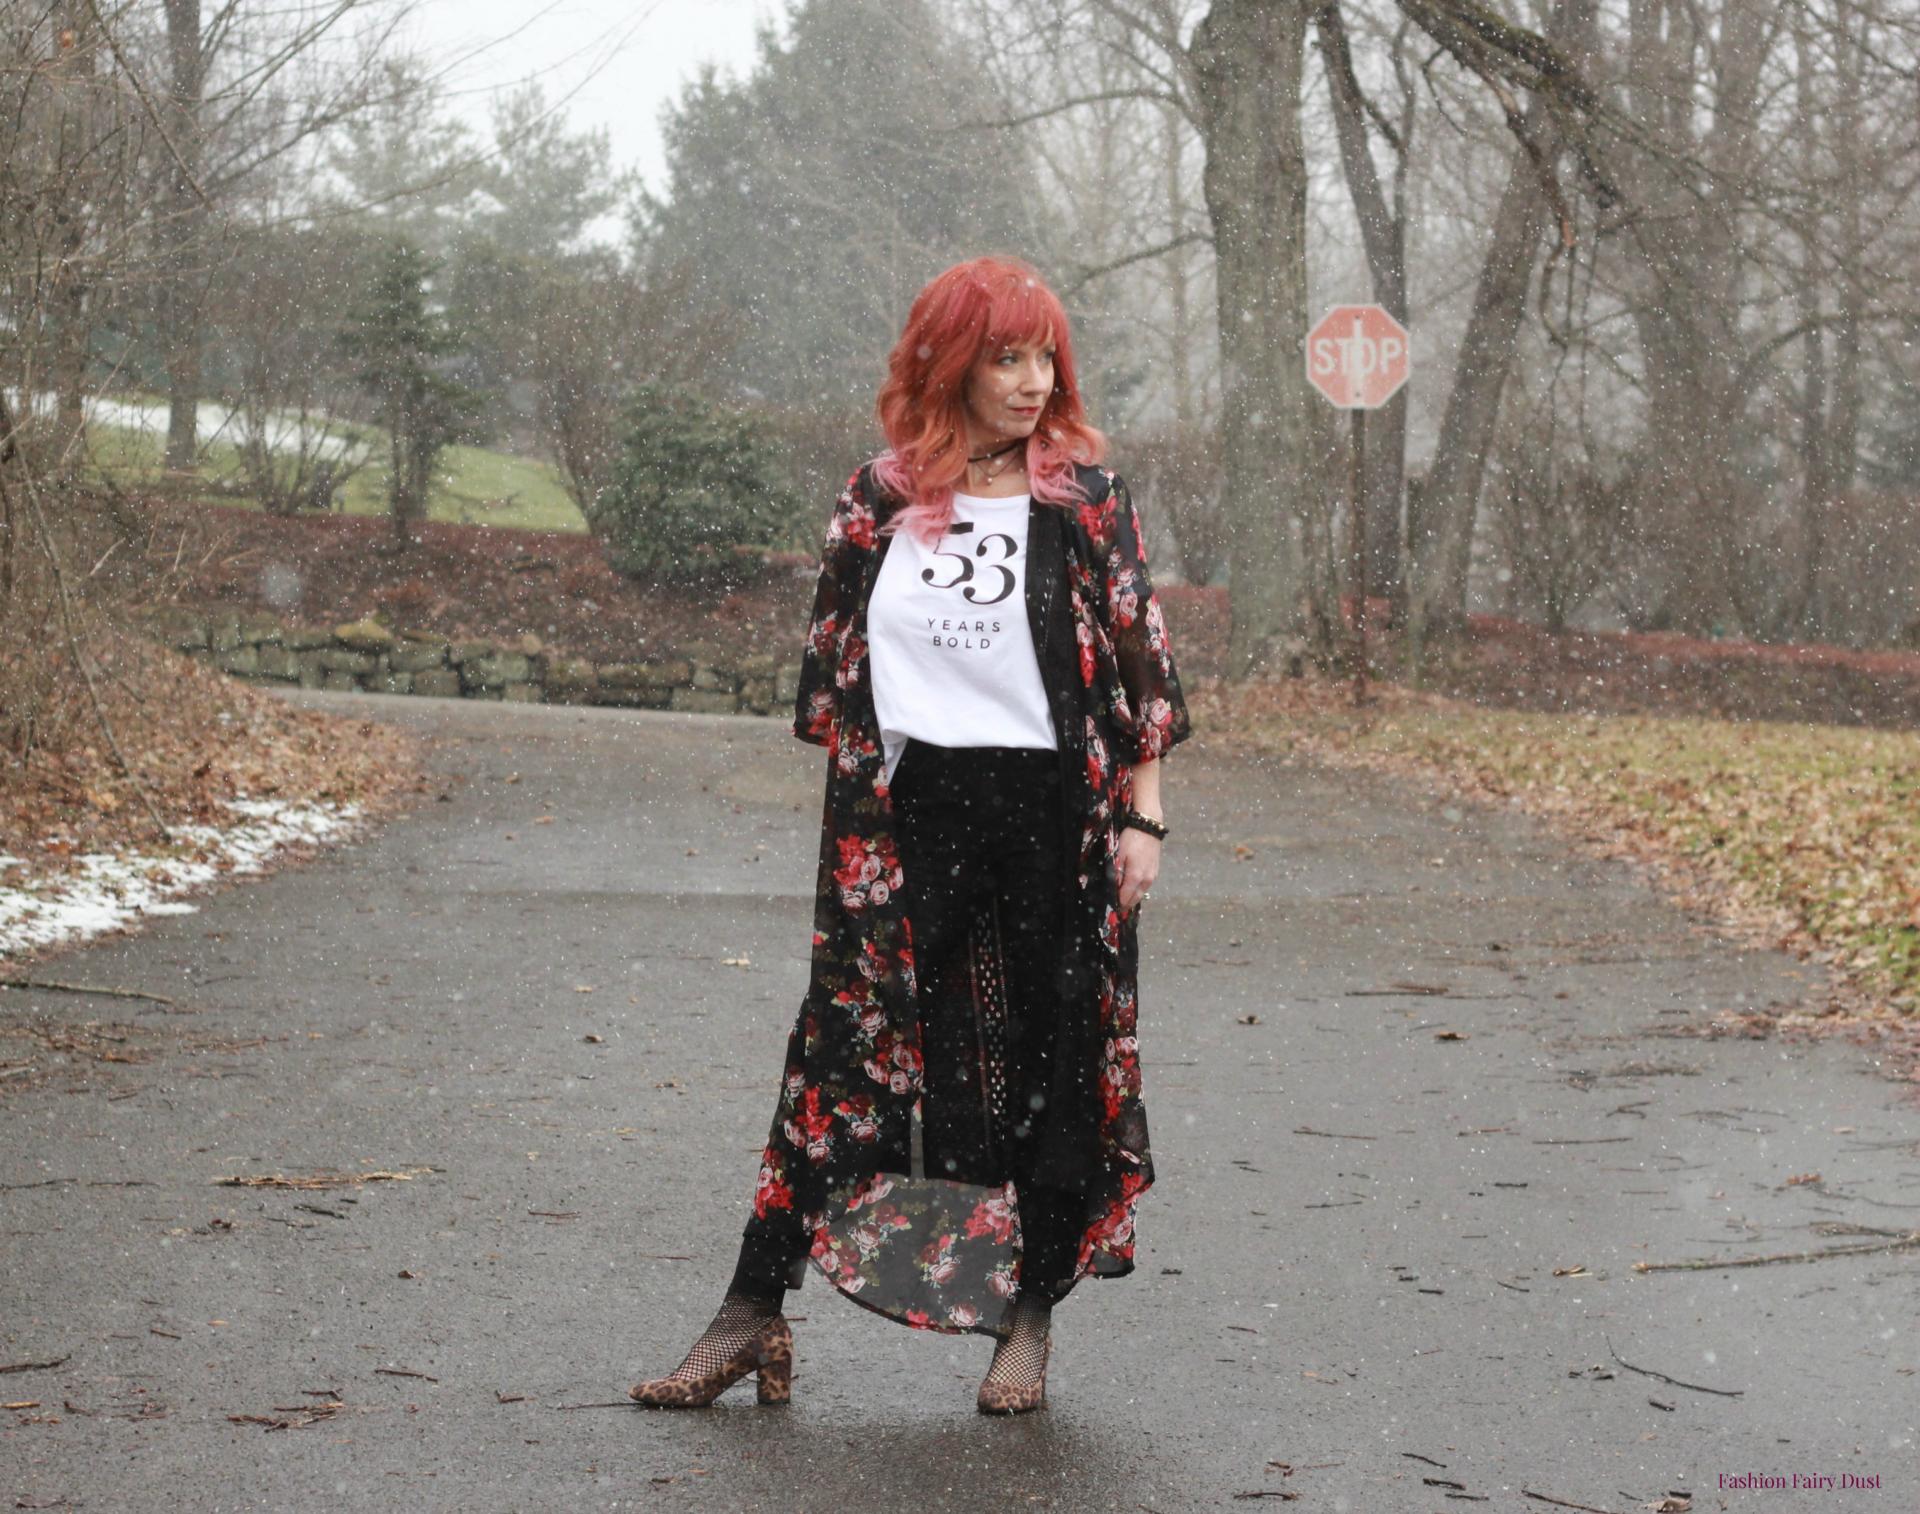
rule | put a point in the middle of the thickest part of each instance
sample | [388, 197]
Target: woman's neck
[1001, 478]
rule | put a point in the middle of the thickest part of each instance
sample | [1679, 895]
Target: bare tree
[601, 330]
[1439, 538]
[1236, 72]
[243, 89]
[299, 423]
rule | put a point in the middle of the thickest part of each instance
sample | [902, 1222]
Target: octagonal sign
[1357, 356]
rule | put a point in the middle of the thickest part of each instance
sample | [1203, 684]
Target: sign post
[1358, 356]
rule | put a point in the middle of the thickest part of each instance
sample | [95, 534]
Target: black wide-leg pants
[976, 820]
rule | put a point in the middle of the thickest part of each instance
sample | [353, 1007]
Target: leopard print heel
[769, 1353]
[775, 1382]
[1010, 1398]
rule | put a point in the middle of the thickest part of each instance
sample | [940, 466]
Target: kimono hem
[936, 1244]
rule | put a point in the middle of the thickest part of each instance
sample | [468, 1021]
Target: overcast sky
[626, 58]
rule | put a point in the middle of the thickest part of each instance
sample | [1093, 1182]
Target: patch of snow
[285, 432]
[107, 890]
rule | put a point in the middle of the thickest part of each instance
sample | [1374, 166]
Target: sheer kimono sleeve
[816, 707]
[1142, 650]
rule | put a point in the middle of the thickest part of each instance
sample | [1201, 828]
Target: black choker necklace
[987, 457]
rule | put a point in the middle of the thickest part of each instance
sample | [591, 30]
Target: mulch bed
[1512, 665]
[502, 583]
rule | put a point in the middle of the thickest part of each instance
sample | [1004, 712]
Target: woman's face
[1007, 389]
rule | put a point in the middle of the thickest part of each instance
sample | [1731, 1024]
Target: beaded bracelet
[1142, 822]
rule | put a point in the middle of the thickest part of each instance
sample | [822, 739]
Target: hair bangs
[1019, 314]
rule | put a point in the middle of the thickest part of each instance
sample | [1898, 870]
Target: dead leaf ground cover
[193, 738]
[1798, 836]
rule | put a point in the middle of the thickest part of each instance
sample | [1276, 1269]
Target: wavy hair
[974, 307]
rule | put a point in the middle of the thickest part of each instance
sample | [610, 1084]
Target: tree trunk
[1843, 434]
[1805, 614]
[1246, 59]
[183, 224]
[1440, 547]
[66, 289]
[1687, 306]
[1176, 270]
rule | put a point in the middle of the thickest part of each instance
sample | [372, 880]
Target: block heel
[775, 1373]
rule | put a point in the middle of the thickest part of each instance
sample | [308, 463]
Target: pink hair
[986, 303]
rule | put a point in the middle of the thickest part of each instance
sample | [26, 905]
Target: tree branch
[1184, 239]
[1079, 100]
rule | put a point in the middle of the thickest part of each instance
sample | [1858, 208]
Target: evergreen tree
[544, 186]
[398, 337]
[403, 164]
[813, 199]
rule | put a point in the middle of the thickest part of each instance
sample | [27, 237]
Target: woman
[960, 1136]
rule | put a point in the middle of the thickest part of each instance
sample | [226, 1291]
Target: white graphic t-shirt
[948, 641]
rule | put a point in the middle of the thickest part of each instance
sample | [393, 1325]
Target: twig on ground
[1676, 1382]
[86, 988]
[1906, 1242]
[1562, 1503]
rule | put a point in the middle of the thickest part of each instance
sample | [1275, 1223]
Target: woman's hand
[1138, 861]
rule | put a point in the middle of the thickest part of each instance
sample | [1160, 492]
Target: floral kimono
[935, 1243]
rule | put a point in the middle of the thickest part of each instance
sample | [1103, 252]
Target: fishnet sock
[739, 1320]
[1018, 1360]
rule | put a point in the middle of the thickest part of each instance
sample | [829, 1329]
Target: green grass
[476, 486]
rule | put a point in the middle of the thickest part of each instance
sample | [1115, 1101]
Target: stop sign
[1357, 356]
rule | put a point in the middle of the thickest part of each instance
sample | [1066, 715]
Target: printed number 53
[962, 528]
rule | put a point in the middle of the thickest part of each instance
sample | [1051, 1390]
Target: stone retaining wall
[369, 656]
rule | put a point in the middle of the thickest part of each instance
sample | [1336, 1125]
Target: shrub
[696, 495]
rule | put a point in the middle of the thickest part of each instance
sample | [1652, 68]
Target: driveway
[1424, 1089]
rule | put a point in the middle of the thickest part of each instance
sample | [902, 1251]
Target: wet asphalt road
[1347, 1287]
